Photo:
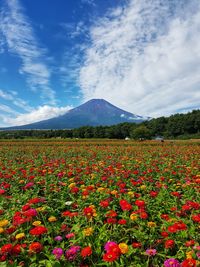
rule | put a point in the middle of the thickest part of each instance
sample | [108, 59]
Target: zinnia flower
[88, 231]
[57, 252]
[52, 219]
[189, 263]
[123, 248]
[38, 230]
[151, 224]
[20, 236]
[7, 248]
[72, 252]
[169, 243]
[35, 247]
[58, 238]
[172, 263]
[3, 223]
[151, 252]
[110, 256]
[85, 252]
[70, 235]
[109, 245]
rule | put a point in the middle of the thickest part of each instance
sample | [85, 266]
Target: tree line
[181, 126]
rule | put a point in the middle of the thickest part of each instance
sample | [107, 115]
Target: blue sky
[141, 55]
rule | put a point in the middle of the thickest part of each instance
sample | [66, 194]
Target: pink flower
[172, 263]
[57, 252]
[72, 252]
[151, 252]
[109, 245]
[70, 235]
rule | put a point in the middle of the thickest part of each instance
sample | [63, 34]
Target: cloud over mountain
[145, 57]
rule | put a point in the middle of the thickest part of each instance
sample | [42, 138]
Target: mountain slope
[92, 113]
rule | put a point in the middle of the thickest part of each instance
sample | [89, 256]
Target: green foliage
[184, 126]
[141, 132]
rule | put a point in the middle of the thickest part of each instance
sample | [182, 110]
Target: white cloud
[89, 2]
[39, 114]
[145, 58]
[21, 41]
[7, 109]
[12, 97]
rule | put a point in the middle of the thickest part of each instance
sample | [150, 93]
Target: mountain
[92, 113]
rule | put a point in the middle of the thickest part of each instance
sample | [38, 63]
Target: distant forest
[178, 126]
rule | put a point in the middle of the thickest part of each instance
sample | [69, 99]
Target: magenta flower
[57, 252]
[108, 245]
[58, 238]
[151, 251]
[172, 263]
[71, 253]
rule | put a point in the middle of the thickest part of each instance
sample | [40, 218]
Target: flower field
[99, 203]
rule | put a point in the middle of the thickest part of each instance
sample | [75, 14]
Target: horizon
[139, 55]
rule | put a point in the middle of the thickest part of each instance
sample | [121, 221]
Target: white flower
[68, 203]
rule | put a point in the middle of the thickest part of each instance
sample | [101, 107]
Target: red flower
[169, 243]
[188, 263]
[88, 212]
[85, 252]
[111, 213]
[104, 203]
[172, 229]
[164, 234]
[153, 194]
[38, 230]
[2, 191]
[186, 207]
[180, 226]
[7, 248]
[189, 243]
[165, 217]
[35, 247]
[26, 207]
[110, 256]
[122, 221]
[125, 205]
[16, 249]
[143, 215]
[196, 218]
[136, 245]
[175, 194]
[111, 220]
[140, 203]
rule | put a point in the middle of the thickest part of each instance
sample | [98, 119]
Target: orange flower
[85, 252]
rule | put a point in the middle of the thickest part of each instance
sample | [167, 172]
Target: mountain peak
[92, 113]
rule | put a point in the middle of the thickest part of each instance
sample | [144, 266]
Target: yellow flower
[151, 224]
[3, 223]
[40, 208]
[52, 219]
[36, 223]
[88, 231]
[123, 247]
[100, 189]
[113, 192]
[71, 185]
[189, 254]
[20, 236]
[143, 187]
[133, 217]
[1, 230]
[93, 175]
[131, 193]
